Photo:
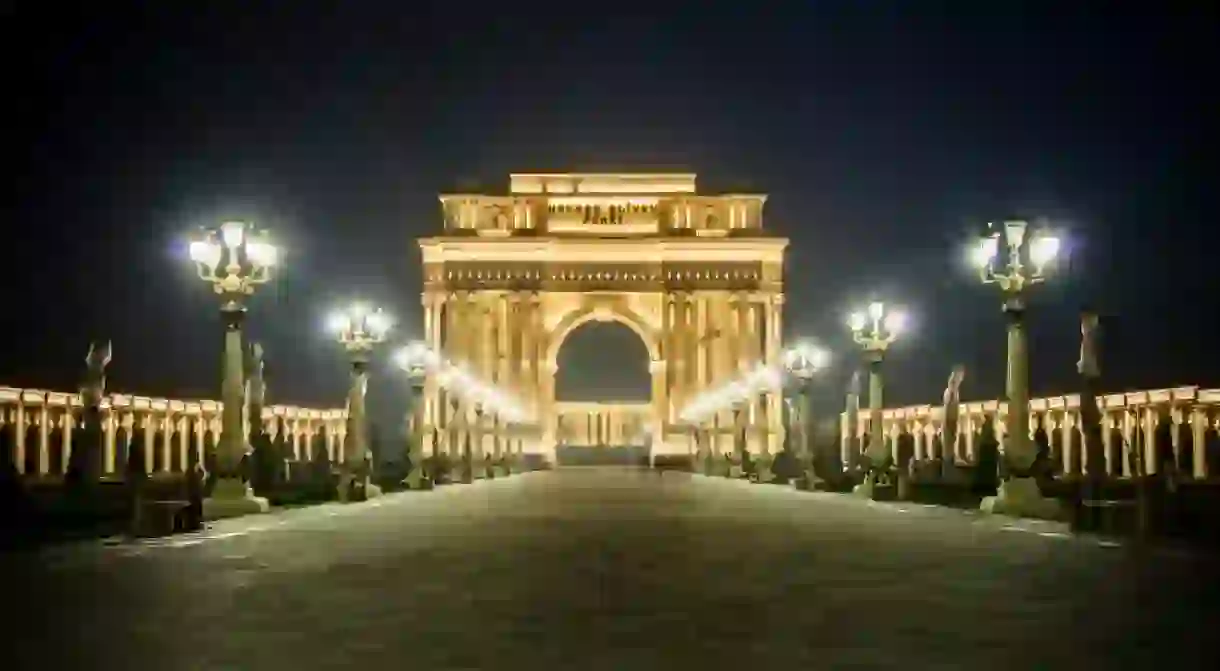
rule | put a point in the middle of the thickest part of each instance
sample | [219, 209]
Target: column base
[233, 498]
[1021, 497]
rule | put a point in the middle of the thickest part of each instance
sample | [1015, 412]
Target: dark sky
[883, 131]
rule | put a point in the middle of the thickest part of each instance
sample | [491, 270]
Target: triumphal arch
[694, 275]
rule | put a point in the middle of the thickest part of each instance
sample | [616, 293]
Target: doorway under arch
[603, 395]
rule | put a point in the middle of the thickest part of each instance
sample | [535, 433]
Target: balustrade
[1166, 428]
[38, 429]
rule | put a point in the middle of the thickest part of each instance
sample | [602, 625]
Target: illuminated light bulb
[233, 232]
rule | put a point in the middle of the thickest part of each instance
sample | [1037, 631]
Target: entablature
[566, 276]
[552, 249]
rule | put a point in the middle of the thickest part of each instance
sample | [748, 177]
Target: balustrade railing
[38, 428]
[1169, 428]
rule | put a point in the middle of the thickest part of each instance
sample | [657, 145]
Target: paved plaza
[613, 569]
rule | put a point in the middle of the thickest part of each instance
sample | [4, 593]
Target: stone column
[1198, 429]
[1148, 419]
[44, 440]
[699, 349]
[676, 360]
[660, 403]
[489, 327]
[775, 435]
[109, 467]
[671, 337]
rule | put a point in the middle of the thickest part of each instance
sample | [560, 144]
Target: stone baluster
[1148, 425]
[1198, 427]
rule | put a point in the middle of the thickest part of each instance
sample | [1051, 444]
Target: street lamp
[1021, 265]
[359, 330]
[234, 258]
[875, 330]
[415, 359]
[803, 361]
[737, 468]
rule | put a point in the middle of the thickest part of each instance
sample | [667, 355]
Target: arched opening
[603, 389]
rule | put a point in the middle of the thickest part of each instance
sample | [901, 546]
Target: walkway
[613, 569]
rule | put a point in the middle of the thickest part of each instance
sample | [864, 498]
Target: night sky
[884, 135]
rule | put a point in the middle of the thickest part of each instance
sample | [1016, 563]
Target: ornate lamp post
[234, 259]
[479, 462]
[415, 359]
[875, 331]
[803, 361]
[737, 467]
[359, 330]
[1025, 259]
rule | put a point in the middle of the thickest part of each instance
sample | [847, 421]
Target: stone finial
[954, 385]
[94, 385]
[853, 385]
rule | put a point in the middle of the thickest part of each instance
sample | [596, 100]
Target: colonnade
[37, 428]
[712, 338]
[592, 424]
[1174, 428]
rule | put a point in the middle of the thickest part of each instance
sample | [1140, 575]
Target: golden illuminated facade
[695, 276]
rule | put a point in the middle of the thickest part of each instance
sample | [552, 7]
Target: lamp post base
[417, 480]
[1021, 497]
[866, 489]
[233, 498]
[353, 489]
[808, 481]
[763, 473]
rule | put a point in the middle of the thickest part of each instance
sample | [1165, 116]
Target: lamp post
[359, 330]
[803, 361]
[479, 464]
[1023, 264]
[234, 258]
[875, 330]
[414, 359]
[737, 467]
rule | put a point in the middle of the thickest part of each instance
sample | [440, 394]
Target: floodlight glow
[895, 322]
[205, 252]
[337, 322]
[1043, 250]
[857, 321]
[819, 357]
[262, 254]
[233, 232]
[985, 252]
[876, 309]
[1014, 233]
[378, 323]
